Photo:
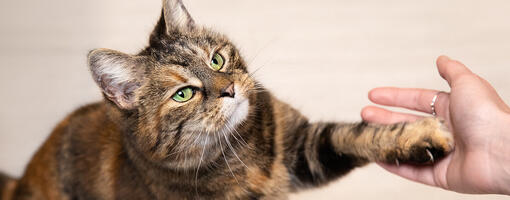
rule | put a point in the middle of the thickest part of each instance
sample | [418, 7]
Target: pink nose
[228, 91]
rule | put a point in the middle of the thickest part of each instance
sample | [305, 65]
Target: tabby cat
[183, 119]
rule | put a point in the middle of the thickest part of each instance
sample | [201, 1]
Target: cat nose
[228, 91]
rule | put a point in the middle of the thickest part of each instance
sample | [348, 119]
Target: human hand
[479, 120]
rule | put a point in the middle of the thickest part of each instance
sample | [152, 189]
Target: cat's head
[189, 88]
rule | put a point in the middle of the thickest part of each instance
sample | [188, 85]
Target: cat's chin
[235, 111]
[239, 114]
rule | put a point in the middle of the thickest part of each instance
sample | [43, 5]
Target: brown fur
[231, 140]
[7, 186]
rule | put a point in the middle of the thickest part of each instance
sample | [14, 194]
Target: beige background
[320, 56]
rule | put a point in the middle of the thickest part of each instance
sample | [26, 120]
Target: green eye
[183, 95]
[217, 62]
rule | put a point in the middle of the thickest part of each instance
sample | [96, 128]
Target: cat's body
[184, 119]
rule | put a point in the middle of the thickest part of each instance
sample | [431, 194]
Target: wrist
[501, 158]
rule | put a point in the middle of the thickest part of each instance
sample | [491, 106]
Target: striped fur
[140, 144]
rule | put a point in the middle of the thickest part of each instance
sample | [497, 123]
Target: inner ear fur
[118, 75]
[176, 16]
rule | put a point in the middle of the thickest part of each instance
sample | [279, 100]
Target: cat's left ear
[176, 15]
[119, 75]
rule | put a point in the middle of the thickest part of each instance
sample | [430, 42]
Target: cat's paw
[422, 142]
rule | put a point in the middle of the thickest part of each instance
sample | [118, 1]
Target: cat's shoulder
[85, 120]
[88, 109]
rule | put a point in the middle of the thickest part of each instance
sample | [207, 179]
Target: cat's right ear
[118, 75]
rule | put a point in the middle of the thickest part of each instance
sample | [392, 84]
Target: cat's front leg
[420, 142]
[320, 152]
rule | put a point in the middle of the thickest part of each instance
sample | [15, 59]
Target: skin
[479, 120]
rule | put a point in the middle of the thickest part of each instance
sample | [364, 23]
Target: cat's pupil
[215, 61]
[181, 94]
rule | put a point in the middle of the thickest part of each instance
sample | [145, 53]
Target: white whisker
[228, 165]
[200, 162]
[233, 151]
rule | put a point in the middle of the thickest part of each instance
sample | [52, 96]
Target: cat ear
[176, 15]
[117, 74]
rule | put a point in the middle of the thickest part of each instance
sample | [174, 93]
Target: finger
[433, 175]
[450, 69]
[423, 174]
[382, 116]
[410, 98]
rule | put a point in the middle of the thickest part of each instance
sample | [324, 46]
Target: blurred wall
[339, 49]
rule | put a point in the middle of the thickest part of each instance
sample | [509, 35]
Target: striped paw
[422, 142]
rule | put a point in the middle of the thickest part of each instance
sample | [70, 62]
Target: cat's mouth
[235, 110]
[240, 112]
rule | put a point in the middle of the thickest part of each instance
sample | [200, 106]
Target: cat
[184, 119]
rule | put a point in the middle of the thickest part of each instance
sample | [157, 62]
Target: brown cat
[184, 119]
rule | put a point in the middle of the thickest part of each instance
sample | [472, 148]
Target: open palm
[475, 114]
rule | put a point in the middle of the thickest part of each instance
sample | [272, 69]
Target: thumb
[450, 69]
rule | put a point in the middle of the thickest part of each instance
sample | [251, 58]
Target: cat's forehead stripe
[178, 77]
